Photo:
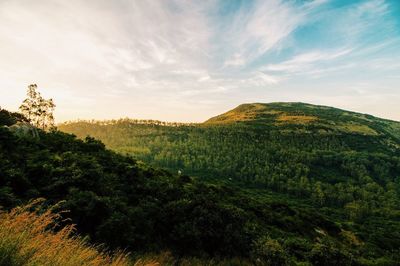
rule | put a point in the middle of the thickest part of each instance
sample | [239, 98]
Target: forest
[246, 192]
[337, 159]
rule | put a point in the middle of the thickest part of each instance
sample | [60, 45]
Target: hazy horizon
[187, 61]
[201, 121]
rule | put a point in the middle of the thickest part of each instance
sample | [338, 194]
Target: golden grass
[297, 119]
[356, 128]
[27, 237]
[246, 112]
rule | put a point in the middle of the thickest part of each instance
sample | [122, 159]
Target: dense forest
[329, 156]
[345, 164]
[277, 193]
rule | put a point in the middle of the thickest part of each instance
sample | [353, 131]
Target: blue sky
[190, 60]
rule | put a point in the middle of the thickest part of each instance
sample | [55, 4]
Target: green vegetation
[115, 200]
[342, 165]
[321, 198]
[329, 156]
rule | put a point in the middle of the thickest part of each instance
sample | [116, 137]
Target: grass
[297, 119]
[356, 128]
[28, 237]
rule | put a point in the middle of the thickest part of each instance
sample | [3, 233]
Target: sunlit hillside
[327, 119]
[122, 203]
[345, 163]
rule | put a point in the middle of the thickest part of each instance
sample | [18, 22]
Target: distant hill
[345, 163]
[355, 131]
[323, 118]
[116, 200]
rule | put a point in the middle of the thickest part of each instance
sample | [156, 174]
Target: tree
[9, 118]
[38, 110]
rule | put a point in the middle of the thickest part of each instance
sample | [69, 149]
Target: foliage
[124, 203]
[329, 160]
[345, 164]
[9, 118]
[271, 252]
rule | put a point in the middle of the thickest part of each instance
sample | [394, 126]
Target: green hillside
[344, 163]
[275, 145]
[322, 119]
[123, 203]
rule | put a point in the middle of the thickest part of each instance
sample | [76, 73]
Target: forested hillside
[125, 204]
[347, 164]
[329, 156]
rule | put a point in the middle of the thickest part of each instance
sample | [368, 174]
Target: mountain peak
[285, 112]
[295, 115]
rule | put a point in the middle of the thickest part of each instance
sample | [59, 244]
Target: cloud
[93, 46]
[236, 60]
[306, 61]
[262, 79]
[255, 30]
[141, 58]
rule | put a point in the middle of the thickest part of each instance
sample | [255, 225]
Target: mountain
[123, 203]
[301, 115]
[346, 164]
[254, 128]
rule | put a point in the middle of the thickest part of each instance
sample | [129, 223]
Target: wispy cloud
[306, 61]
[256, 29]
[142, 58]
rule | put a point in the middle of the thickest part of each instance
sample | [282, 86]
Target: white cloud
[263, 27]
[252, 32]
[93, 48]
[204, 78]
[153, 58]
[262, 79]
[236, 60]
[303, 62]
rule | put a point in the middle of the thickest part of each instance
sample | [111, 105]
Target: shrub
[268, 251]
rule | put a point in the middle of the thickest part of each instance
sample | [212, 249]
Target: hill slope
[324, 118]
[123, 203]
[268, 144]
[345, 162]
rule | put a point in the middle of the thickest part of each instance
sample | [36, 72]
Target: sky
[187, 61]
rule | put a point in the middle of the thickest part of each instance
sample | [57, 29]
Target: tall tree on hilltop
[38, 110]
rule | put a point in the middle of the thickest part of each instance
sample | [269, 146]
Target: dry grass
[27, 237]
[356, 128]
[246, 112]
[296, 119]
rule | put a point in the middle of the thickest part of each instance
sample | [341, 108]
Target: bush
[326, 253]
[268, 251]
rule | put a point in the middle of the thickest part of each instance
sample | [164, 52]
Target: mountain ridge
[298, 115]
[344, 163]
[276, 107]
[119, 201]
